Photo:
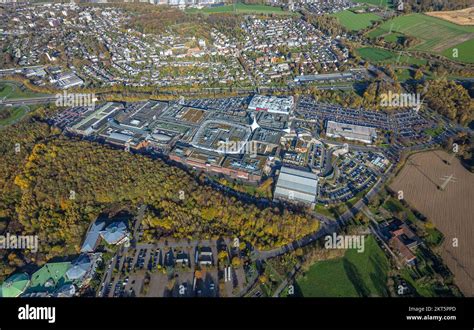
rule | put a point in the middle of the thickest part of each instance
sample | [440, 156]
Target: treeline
[327, 24]
[156, 19]
[449, 99]
[16, 144]
[226, 23]
[254, 2]
[436, 5]
[465, 152]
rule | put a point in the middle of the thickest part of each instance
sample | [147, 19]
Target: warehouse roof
[296, 184]
[349, 131]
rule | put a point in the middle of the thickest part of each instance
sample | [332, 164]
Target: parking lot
[175, 268]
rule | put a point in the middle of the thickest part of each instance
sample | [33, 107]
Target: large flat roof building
[325, 76]
[351, 132]
[96, 117]
[273, 104]
[296, 185]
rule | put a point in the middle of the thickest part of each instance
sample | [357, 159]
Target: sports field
[433, 34]
[354, 275]
[383, 56]
[356, 22]
[239, 8]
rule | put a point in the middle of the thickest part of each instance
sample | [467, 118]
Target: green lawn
[375, 54]
[356, 22]
[380, 3]
[393, 37]
[16, 114]
[404, 74]
[433, 34]
[465, 52]
[354, 275]
[12, 90]
[434, 132]
[326, 211]
[239, 8]
[383, 56]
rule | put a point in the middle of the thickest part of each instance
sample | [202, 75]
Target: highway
[29, 101]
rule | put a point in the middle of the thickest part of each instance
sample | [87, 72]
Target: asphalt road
[328, 226]
[29, 101]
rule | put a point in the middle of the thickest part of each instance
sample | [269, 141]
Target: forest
[436, 5]
[449, 99]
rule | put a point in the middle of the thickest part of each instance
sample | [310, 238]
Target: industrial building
[351, 132]
[95, 118]
[340, 76]
[296, 185]
[272, 104]
[67, 80]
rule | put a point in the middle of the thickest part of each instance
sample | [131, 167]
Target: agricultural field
[461, 17]
[354, 275]
[433, 34]
[356, 22]
[239, 8]
[383, 56]
[449, 209]
[464, 52]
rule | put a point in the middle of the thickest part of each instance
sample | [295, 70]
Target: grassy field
[393, 37]
[404, 74]
[356, 22]
[375, 54]
[379, 55]
[354, 275]
[465, 52]
[14, 115]
[380, 3]
[13, 90]
[433, 34]
[326, 211]
[239, 8]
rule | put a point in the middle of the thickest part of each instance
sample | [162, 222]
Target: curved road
[327, 226]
